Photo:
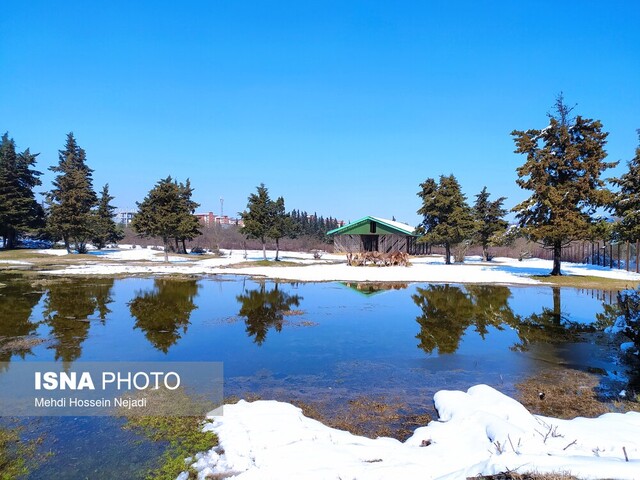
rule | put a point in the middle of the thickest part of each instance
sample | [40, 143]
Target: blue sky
[343, 107]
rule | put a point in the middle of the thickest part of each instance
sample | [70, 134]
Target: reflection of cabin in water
[373, 234]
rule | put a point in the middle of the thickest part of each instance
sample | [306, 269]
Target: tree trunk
[264, 248]
[166, 249]
[557, 305]
[67, 245]
[557, 258]
[184, 246]
[447, 253]
[10, 240]
[485, 253]
[277, 249]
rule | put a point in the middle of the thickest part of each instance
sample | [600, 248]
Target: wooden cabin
[373, 234]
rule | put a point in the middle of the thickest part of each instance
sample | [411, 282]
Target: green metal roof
[389, 226]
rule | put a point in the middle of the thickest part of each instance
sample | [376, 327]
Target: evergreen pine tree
[19, 211]
[189, 227]
[162, 212]
[258, 218]
[72, 199]
[282, 225]
[489, 217]
[104, 229]
[563, 171]
[626, 203]
[447, 218]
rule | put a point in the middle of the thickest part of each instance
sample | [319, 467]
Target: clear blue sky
[342, 107]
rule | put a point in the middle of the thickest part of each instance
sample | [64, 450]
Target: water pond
[322, 343]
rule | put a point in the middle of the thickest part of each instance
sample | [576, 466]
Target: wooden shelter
[373, 234]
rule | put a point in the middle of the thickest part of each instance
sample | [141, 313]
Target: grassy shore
[589, 282]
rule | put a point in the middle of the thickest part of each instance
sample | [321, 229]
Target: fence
[620, 255]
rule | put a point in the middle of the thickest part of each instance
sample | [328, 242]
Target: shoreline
[129, 261]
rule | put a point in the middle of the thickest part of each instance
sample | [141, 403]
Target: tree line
[72, 211]
[563, 170]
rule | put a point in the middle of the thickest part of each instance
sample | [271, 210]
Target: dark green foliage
[265, 218]
[264, 309]
[312, 225]
[104, 229]
[282, 226]
[258, 218]
[447, 218]
[489, 217]
[71, 202]
[563, 171]
[163, 313]
[67, 311]
[189, 227]
[447, 312]
[167, 212]
[626, 203]
[19, 211]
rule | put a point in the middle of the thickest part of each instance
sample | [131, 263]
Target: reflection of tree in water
[163, 313]
[264, 309]
[17, 300]
[372, 288]
[548, 326]
[67, 309]
[448, 311]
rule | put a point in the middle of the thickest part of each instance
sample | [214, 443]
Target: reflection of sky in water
[339, 345]
[351, 339]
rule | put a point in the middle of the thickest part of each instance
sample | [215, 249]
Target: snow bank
[331, 267]
[480, 431]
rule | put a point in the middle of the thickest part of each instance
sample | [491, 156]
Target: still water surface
[327, 342]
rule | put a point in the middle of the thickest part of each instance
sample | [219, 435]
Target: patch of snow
[480, 432]
[15, 262]
[333, 267]
[53, 251]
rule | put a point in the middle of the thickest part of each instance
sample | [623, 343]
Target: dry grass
[590, 282]
[526, 476]
[19, 344]
[368, 417]
[264, 263]
[365, 416]
[568, 394]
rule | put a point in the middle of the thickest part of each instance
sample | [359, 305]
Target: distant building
[124, 217]
[210, 219]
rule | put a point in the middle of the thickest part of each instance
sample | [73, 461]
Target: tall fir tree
[19, 211]
[489, 217]
[626, 202]
[447, 218]
[104, 229]
[282, 225]
[72, 198]
[189, 227]
[563, 170]
[259, 217]
[163, 213]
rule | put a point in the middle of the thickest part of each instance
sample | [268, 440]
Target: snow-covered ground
[480, 431]
[331, 267]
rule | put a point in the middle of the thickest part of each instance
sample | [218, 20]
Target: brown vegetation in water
[363, 415]
[568, 394]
